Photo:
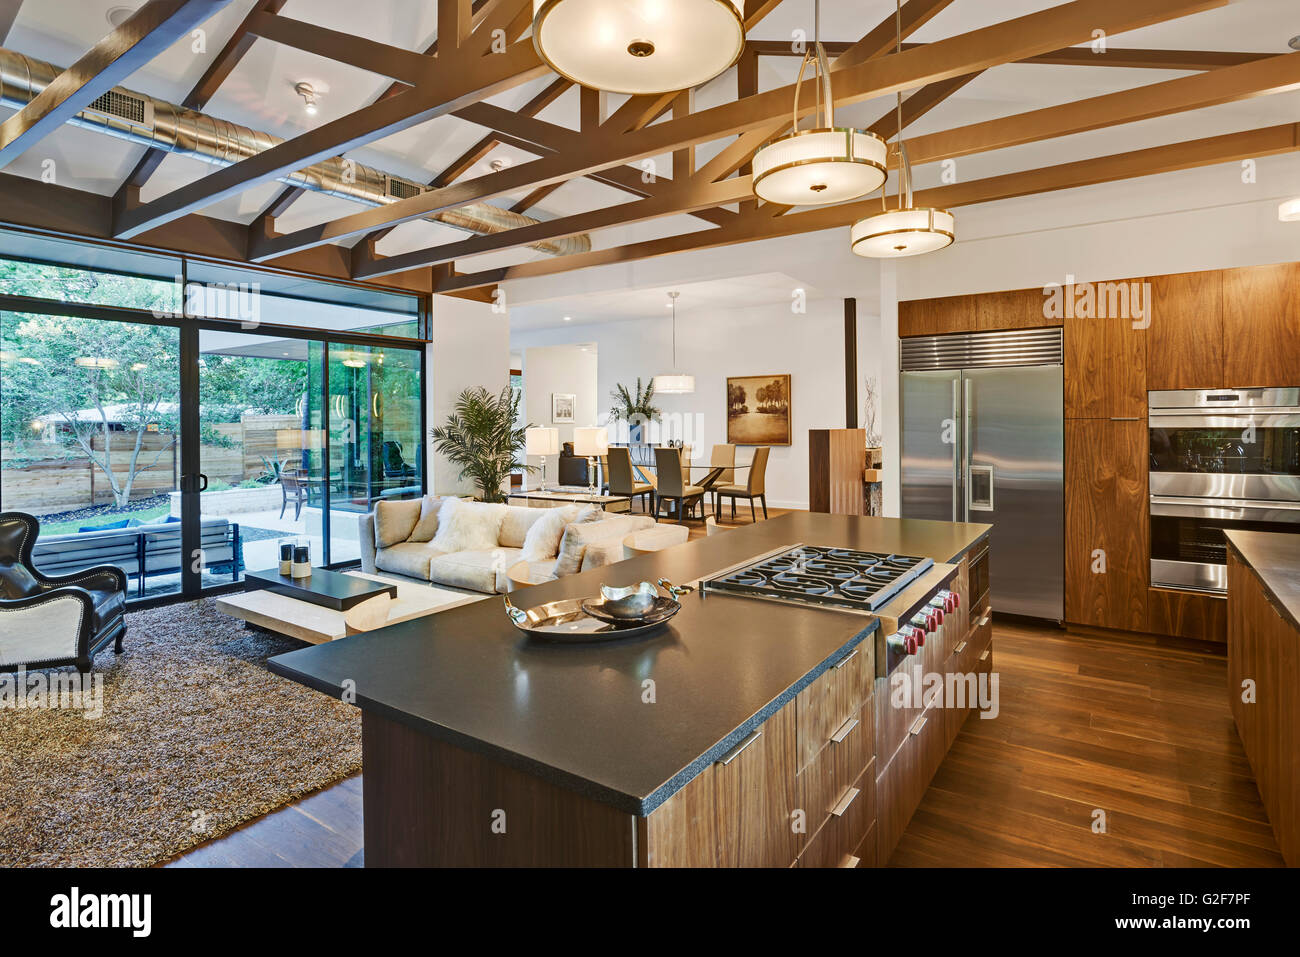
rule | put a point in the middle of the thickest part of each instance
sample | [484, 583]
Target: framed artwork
[758, 410]
[562, 405]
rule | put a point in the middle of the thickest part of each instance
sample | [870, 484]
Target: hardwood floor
[1139, 729]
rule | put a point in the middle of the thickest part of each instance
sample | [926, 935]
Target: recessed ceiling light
[1294, 43]
[500, 163]
[116, 16]
[568, 318]
[308, 94]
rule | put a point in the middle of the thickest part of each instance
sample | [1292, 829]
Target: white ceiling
[259, 93]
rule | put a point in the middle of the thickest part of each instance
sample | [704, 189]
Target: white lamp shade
[903, 232]
[817, 167]
[639, 46]
[1289, 212]
[674, 384]
[542, 441]
[590, 441]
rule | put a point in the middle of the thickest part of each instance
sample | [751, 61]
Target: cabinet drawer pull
[985, 620]
[916, 727]
[844, 730]
[848, 798]
[961, 646]
[735, 752]
[851, 861]
[845, 660]
[1126, 418]
[985, 656]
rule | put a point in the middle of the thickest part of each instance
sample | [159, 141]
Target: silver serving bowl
[632, 602]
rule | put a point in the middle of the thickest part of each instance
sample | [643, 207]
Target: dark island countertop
[1275, 557]
[578, 715]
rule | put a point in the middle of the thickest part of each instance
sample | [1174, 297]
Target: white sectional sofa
[473, 545]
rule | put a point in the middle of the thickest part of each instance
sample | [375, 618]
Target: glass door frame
[192, 481]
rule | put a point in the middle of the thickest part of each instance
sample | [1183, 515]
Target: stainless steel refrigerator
[983, 441]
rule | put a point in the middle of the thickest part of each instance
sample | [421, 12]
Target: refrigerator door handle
[966, 449]
[957, 453]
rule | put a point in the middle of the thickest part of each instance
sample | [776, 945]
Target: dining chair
[723, 456]
[668, 466]
[621, 480]
[754, 487]
[604, 473]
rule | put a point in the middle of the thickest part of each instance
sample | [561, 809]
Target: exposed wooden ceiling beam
[8, 14]
[980, 49]
[918, 104]
[1162, 159]
[1275, 74]
[405, 66]
[447, 88]
[1128, 58]
[149, 31]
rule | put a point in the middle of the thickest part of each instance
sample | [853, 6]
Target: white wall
[563, 368]
[470, 347]
[721, 343]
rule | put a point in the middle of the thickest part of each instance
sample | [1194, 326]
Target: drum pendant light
[827, 164]
[639, 46]
[906, 230]
[674, 383]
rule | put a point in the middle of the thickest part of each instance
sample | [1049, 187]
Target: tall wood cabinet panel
[1106, 509]
[1105, 367]
[1261, 326]
[1185, 341]
[755, 797]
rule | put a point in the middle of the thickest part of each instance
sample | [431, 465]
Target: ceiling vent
[121, 105]
[399, 188]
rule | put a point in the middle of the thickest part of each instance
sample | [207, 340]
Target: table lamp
[542, 442]
[591, 442]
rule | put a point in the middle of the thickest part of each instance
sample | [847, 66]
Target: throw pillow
[543, 538]
[468, 526]
[394, 521]
[581, 534]
[427, 526]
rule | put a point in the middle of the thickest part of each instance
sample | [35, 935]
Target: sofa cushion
[427, 525]
[517, 523]
[579, 535]
[484, 570]
[407, 558]
[468, 526]
[543, 538]
[394, 521]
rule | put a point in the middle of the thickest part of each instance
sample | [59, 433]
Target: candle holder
[301, 561]
[286, 558]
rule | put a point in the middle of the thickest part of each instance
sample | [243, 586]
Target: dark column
[850, 363]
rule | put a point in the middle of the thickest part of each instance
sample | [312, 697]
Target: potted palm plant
[635, 408]
[482, 437]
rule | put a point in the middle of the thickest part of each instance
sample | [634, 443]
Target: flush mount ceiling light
[308, 94]
[674, 383]
[905, 230]
[1289, 212]
[827, 164]
[639, 46]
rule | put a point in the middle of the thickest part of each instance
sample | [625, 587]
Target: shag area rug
[196, 737]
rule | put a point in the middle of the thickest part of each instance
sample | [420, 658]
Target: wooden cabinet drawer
[754, 794]
[866, 852]
[900, 786]
[846, 828]
[835, 696]
[821, 784]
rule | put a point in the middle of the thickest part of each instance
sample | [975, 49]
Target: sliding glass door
[90, 442]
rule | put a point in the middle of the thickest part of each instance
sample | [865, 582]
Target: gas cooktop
[820, 575]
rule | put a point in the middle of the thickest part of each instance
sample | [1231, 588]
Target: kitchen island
[743, 733]
[1264, 670]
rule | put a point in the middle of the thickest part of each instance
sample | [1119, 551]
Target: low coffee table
[310, 614]
[558, 495]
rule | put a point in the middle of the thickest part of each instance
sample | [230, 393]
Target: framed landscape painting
[758, 410]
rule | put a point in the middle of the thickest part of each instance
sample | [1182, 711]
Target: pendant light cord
[904, 167]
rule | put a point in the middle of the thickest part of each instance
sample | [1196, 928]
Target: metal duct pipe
[156, 123]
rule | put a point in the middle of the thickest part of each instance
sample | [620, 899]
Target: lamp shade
[817, 167]
[542, 441]
[674, 383]
[639, 46]
[588, 442]
[903, 232]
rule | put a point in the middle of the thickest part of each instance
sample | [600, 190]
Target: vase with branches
[482, 436]
[634, 408]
